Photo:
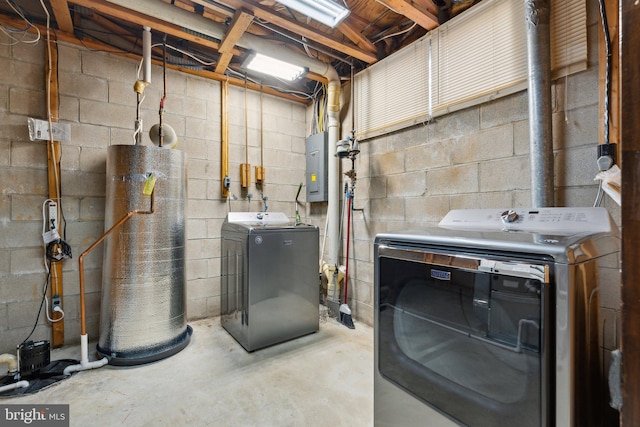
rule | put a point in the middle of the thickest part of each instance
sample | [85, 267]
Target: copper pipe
[224, 143]
[127, 217]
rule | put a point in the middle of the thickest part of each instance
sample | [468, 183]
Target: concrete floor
[322, 379]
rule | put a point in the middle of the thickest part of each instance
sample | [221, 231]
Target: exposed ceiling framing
[373, 30]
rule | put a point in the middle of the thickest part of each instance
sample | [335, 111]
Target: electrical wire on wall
[605, 150]
[140, 96]
[320, 110]
[296, 93]
[56, 249]
[42, 302]
[12, 33]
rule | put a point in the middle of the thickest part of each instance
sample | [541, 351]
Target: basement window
[477, 56]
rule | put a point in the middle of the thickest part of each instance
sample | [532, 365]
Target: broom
[345, 311]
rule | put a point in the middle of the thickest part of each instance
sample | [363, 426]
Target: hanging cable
[353, 101]
[44, 296]
[164, 90]
[607, 83]
[8, 31]
[55, 249]
[396, 34]
[605, 161]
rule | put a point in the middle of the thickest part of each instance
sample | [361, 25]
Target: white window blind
[472, 52]
[479, 55]
[568, 37]
[401, 102]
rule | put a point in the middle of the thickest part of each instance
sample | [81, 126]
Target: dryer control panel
[557, 220]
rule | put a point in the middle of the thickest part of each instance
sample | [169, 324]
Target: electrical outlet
[56, 301]
[39, 130]
[52, 224]
[53, 215]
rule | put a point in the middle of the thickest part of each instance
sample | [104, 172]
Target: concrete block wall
[97, 100]
[477, 158]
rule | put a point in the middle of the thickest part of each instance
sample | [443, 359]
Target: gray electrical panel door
[316, 150]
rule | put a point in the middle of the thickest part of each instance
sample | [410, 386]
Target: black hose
[299, 188]
[607, 87]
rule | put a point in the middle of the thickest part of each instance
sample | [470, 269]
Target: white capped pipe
[333, 279]
[84, 358]
[146, 53]
[333, 208]
[84, 349]
[10, 360]
[19, 384]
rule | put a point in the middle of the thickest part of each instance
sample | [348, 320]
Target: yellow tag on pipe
[149, 184]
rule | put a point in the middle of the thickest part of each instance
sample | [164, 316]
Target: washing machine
[269, 278]
[493, 319]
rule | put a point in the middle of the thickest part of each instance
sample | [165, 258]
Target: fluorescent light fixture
[325, 11]
[274, 67]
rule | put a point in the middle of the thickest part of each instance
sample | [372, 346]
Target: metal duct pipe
[537, 17]
[197, 23]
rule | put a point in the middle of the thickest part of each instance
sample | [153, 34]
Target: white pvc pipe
[10, 360]
[84, 364]
[333, 208]
[19, 384]
[146, 53]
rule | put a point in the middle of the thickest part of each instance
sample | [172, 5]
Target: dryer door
[465, 334]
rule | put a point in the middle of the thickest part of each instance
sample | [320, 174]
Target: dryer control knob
[509, 216]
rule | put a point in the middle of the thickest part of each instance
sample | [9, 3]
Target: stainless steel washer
[269, 278]
[492, 319]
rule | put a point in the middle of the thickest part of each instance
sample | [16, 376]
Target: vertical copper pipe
[224, 129]
[127, 217]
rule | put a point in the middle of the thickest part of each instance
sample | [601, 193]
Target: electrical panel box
[317, 152]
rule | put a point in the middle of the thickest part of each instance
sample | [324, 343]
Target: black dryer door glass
[466, 342]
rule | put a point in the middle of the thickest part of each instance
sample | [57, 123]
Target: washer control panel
[556, 220]
[261, 218]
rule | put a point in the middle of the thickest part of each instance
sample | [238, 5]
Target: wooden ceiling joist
[62, 15]
[96, 45]
[238, 26]
[156, 24]
[241, 22]
[215, 28]
[301, 29]
[350, 30]
[420, 16]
